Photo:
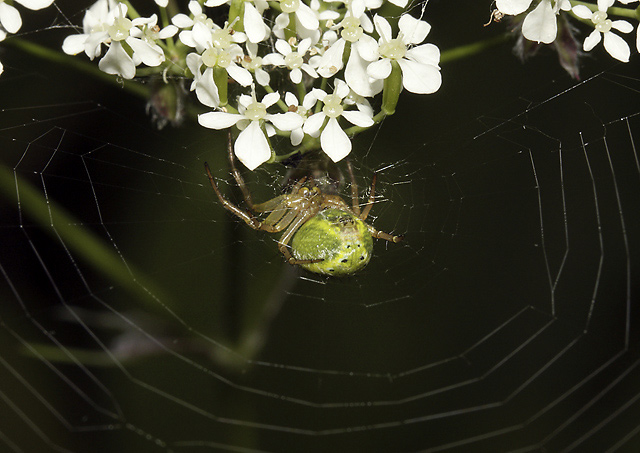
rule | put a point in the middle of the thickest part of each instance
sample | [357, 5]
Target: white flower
[614, 44]
[292, 59]
[105, 22]
[204, 31]
[252, 62]
[307, 19]
[254, 26]
[95, 24]
[143, 37]
[252, 147]
[540, 24]
[333, 140]
[419, 64]
[218, 49]
[294, 106]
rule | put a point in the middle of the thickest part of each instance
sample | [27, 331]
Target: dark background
[505, 322]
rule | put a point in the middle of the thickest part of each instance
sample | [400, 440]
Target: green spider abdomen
[337, 237]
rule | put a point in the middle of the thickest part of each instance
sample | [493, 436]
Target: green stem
[131, 11]
[290, 31]
[75, 63]
[468, 50]
[236, 14]
[302, 92]
[87, 246]
[221, 79]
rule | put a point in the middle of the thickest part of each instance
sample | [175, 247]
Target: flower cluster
[542, 18]
[304, 69]
[10, 19]
[311, 72]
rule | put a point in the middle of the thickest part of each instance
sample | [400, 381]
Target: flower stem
[468, 50]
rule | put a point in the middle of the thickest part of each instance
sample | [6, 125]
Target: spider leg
[244, 215]
[382, 235]
[354, 190]
[372, 194]
[237, 175]
[286, 237]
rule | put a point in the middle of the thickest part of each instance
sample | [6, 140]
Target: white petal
[286, 121]
[355, 74]
[274, 59]
[603, 5]
[10, 18]
[304, 45]
[341, 89]
[240, 75]
[425, 54]
[358, 118]
[254, 26]
[151, 56]
[201, 35]
[414, 31]
[290, 98]
[379, 69]
[207, 90]
[314, 123]
[195, 8]
[367, 47]
[592, 40]
[334, 141]
[283, 47]
[251, 146]
[296, 135]
[331, 62]
[540, 24]
[638, 38]
[181, 21]
[117, 61]
[35, 4]
[2, 70]
[366, 24]
[512, 7]
[383, 28]
[74, 44]
[93, 44]
[296, 75]
[162, 3]
[218, 120]
[167, 32]
[357, 8]
[307, 17]
[400, 3]
[622, 26]
[270, 98]
[309, 70]
[617, 47]
[420, 78]
[582, 11]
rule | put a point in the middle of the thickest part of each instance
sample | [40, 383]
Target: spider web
[138, 315]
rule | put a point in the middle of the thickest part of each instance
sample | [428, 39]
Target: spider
[327, 235]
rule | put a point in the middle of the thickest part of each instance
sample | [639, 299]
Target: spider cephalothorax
[327, 235]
